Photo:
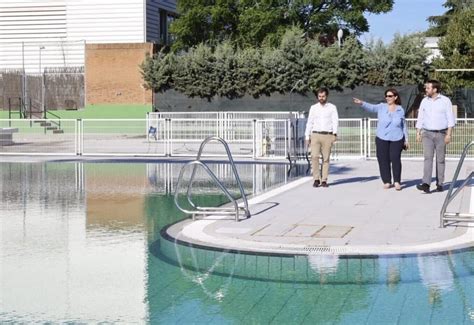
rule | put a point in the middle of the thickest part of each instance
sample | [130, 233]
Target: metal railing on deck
[457, 216]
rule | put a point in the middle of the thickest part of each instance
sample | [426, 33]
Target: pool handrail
[457, 216]
[208, 210]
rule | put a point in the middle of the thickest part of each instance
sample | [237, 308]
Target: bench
[6, 136]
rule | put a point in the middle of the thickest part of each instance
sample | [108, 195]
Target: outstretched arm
[368, 107]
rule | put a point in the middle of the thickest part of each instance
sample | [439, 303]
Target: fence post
[79, 137]
[369, 143]
[168, 138]
[254, 135]
[288, 138]
[9, 113]
[362, 138]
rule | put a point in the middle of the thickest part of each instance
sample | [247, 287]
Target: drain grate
[319, 250]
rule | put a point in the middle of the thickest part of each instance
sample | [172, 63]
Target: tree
[298, 64]
[406, 61]
[457, 49]
[158, 71]
[377, 62]
[256, 22]
[195, 74]
[439, 24]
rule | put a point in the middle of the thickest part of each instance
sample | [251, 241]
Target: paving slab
[353, 216]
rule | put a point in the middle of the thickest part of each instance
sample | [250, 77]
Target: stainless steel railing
[212, 210]
[457, 216]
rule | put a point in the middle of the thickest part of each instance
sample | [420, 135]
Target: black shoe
[423, 187]
[324, 184]
[439, 188]
[316, 183]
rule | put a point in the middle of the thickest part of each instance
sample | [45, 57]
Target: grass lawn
[103, 111]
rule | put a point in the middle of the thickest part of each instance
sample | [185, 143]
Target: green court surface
[105, 111]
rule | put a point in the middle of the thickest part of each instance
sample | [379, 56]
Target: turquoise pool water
[83, 243]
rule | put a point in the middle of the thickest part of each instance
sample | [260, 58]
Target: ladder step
[51, 128]
[58, 131]
[45, 124]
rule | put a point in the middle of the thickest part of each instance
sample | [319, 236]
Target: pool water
[85, 243]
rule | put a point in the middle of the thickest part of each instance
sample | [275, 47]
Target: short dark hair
[322, 90]
[435, 84]
[398, 101]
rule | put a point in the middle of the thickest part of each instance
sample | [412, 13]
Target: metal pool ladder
[456, 216]
[203, 211]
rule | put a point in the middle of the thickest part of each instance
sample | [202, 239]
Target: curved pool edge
[439, 240]
[204, 241]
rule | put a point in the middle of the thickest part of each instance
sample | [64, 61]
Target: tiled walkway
[354, 215]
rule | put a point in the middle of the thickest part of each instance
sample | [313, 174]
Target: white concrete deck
[353, 216]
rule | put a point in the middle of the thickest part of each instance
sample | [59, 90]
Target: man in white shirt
[434, 127]
[321, 133]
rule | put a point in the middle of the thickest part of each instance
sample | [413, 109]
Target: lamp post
[40, 48]
[42, 83]
[339, 36]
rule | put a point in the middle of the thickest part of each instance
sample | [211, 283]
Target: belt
[437, 131]
[322, 132]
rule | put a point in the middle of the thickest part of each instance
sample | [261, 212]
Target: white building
[431, 43]
[38, 33]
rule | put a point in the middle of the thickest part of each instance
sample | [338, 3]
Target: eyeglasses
[389, 96]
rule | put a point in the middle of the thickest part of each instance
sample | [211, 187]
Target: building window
[166, 18]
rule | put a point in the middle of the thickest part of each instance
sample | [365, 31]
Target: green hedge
[298, 65]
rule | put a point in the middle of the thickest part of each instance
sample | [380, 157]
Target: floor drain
[322, 250]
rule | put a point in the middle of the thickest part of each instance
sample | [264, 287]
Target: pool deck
[353, 216]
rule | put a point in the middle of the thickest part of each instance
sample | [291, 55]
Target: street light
[40, 48]
[42, 83]
[339, 36]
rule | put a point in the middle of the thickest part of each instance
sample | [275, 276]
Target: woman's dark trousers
[388, 155]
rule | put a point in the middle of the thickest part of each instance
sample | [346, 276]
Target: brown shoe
[316, 183]
[324, 184]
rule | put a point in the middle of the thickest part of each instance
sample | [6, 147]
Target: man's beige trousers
[321, 144]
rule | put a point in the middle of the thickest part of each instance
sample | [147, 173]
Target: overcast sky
[407, 16]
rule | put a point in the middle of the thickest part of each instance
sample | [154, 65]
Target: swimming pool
[83, 242]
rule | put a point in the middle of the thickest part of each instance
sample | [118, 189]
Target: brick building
[109, 39]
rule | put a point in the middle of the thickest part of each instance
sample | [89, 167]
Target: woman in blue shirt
[392, 136]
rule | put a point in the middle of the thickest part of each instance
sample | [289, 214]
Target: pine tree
[457, 49]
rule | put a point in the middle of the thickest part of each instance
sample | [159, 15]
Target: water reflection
[74, 237]
[55, 267]
[320, 288]
[436, 275]
[82, 243]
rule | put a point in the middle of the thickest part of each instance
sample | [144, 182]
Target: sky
[406, 17]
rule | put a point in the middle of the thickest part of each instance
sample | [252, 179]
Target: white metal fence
[254, 177]
[463, 134]
[181, 137]
[34, 137]
[224, 116]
